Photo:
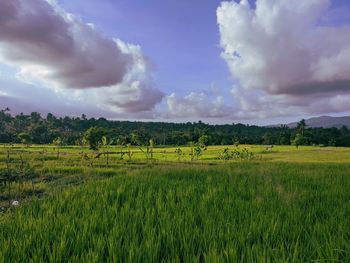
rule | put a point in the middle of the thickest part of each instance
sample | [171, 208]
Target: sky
[257, 62]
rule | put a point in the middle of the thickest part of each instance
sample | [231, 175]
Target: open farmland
[281, 204]
[174, 131]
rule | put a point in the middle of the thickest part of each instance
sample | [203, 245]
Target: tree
[301, 127]
[94, 136]
[235, 140]
[225, 154]
[58, 143]
[179, 154]
[44, 130]
[105, 144]
[24, 138]
[198, 151]
[40, 134]
[332, 142]
[267, 138]
[203, 140]
[149, 149]
[35, 117]
[151, 146]
[121, 142]
[191, 144]
[139, 137]
[298, 140]
[135, 139]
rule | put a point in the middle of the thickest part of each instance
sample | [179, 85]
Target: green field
[278, 205]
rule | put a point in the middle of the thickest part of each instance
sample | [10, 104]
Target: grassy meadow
[276, 205]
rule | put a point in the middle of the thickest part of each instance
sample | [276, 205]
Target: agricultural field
[245, 203]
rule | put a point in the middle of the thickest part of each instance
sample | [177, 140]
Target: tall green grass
[239, 212]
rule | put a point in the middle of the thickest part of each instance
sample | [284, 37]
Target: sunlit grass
[288, 205]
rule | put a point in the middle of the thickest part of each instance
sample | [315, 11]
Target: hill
[325, 122]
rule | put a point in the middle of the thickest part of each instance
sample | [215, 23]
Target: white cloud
[59, 50]
[197, 105]
[26, 97]
[286, 63]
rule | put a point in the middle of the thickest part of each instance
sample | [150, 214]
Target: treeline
[37, 129]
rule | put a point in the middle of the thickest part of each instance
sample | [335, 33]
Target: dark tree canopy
[36, 129]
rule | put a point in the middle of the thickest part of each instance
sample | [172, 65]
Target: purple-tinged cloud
[279, 47]
[60, 50]
[26, 98]
[279, 50]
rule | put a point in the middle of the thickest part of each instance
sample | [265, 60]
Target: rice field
[278, 205]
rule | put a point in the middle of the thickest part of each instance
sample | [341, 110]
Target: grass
[287, 206]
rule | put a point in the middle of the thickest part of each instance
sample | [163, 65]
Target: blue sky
[174, 60]
[180, 37]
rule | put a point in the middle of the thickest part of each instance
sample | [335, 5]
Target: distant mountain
[325, 122]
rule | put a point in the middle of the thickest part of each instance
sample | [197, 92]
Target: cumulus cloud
[283, 58]
[60, 50]
[137, 92]
[198, 105]
[25, 97]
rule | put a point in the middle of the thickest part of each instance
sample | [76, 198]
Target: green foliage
[94, 137]
[203, 140]
[139, 138]
[300, 137]
[120, 141]
[43, 130]
[267, 139]
[332, 142]
[236, 154]
[235, 139]
[149, 150]
[192, 154]
[245, 154]
[198, 151]
[57, 142]
[105, 144]
[104, 141]
[129, 152]
[301, 127]
[179, 154]
[225, 154]
[298, 140]
[24, 138]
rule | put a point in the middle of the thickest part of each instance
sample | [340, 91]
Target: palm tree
[301, 127]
